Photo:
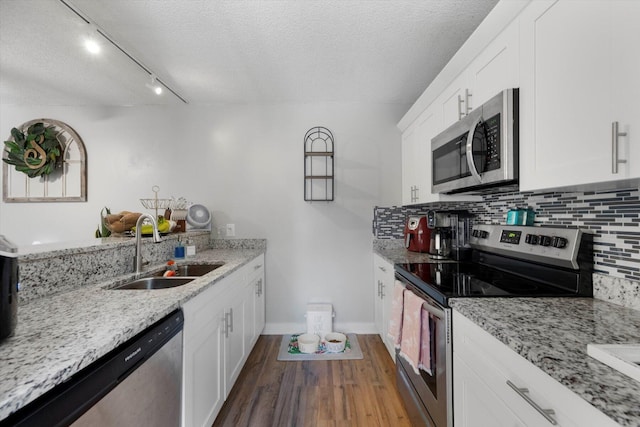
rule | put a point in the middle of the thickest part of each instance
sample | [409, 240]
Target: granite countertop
[403, 256]
[553, 333]
[59, 335]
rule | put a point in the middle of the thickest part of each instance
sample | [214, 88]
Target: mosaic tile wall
[614, 217]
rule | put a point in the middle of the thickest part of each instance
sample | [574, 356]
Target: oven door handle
[469, 151]
[438, 312]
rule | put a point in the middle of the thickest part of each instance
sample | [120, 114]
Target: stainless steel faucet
[156, 239]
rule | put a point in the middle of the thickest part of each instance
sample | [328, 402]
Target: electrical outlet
[231, 230]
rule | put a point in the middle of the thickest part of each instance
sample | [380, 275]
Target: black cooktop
[443, 281]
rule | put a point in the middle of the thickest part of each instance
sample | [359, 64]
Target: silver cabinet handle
[467, 100]
[226, 325]
[382, 268]
[523, 392]
[255, 267]
[615, 134]
[381, 290]
[231, 316]
[258, 288]
[461, 113]
[378, 287]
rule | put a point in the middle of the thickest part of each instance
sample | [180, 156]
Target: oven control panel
[554, 246]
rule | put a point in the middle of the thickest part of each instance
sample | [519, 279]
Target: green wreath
[35, 152]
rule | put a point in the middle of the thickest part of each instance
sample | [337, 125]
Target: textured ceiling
[232, 51]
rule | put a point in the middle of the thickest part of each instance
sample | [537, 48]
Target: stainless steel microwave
[480, 151]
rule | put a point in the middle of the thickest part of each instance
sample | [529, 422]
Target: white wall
[245, 162]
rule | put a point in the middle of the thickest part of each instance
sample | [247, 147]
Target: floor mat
[352, 350]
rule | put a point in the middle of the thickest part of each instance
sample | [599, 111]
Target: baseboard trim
[296, 328]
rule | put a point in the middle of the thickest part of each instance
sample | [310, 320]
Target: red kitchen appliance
[417, 236]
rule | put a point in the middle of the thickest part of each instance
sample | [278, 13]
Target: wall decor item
[319, 150]
[44, 160]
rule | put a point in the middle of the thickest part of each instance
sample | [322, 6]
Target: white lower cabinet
[219, 333]
[486, 374]
[255, 294]
[384, 279]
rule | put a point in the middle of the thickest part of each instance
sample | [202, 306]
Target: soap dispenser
[178, 252]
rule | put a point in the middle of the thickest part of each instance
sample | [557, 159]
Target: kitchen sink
[156, 283]
[623, 358]
[194, 270]
[185, 273]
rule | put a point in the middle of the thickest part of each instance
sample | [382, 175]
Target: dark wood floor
[315, 393]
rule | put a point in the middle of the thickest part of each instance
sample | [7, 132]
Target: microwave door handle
[470, 163]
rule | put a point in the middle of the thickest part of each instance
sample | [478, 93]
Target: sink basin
[156, 283]
[194, 270]
[623, 358]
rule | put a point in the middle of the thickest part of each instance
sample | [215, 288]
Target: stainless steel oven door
[424, 391]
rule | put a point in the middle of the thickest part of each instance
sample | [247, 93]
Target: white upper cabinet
[497, 68]
[485, 65]
[625, 63]
[580, 69]
[416, 158]
[456, 100]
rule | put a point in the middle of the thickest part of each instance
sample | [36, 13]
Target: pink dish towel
[425, 343]
[410, 343]
[395, 322]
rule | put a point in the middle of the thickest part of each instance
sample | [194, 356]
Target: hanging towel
[395, 322]
[411, 329]
[425, 343]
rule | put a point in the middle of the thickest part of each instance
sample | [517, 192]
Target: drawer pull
[523, 392]
[384, 270]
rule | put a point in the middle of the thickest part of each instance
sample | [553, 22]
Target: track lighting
[94, 47]
[154, 85]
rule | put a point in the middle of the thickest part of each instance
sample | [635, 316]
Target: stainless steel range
[507, 261]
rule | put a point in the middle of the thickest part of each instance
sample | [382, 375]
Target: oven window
[450, 161]
[430, 380]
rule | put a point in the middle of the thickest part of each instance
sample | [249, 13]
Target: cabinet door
[409, 167]
[234, 348]
[573, 88]
[254, 320]
[475, 404]
[377, 304]
[203, 391]
[384, 279]
[626, 83]
[456, 100]
[497, 68]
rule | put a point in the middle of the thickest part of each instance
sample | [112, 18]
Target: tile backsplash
[614, 217]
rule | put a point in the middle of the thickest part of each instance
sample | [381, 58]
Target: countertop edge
[140, 309]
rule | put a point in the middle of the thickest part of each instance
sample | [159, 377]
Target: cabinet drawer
[494, 363]
[254, 268]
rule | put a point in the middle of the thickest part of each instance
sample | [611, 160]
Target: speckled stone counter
[59, 335]
[393, 251]
[553, 333]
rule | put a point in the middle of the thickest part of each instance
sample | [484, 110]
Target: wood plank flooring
[337, 393]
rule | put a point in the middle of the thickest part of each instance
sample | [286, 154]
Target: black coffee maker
[8, 287]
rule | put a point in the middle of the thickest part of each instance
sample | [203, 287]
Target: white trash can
[319, 319]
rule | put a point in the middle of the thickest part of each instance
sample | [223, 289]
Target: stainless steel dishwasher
[137, 384]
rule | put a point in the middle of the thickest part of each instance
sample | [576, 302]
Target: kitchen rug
[289, 350]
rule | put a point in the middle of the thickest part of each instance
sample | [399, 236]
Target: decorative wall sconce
[319, 150]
